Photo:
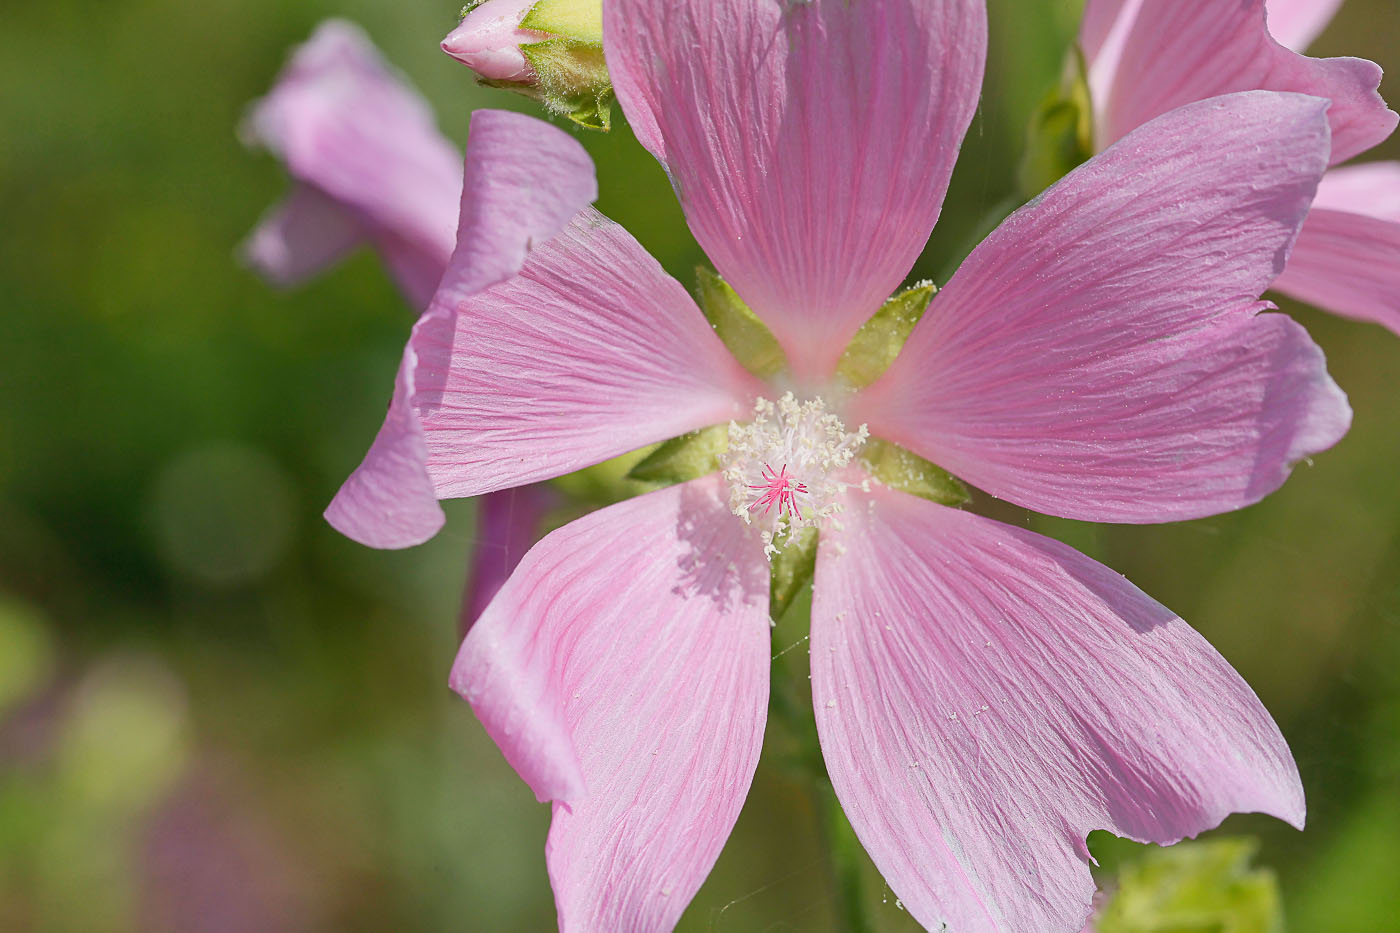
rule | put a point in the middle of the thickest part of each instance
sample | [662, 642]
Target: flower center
[780, 466]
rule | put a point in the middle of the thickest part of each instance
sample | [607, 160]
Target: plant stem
[846, 859]
[790, 709]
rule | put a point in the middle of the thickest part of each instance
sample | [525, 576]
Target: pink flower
[1147, 56]
[984, 696]
[371, 166]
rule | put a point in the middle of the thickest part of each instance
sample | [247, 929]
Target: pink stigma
[779, 488]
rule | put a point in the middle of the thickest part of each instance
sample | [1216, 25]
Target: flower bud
[489, 37]
[550, 50]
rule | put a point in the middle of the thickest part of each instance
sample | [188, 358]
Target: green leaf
[1203, 886]
[747, 337]
[899, 469]
[684, 458]
[880, 339]
[572, 19]
[792, 567]
[1060, 136]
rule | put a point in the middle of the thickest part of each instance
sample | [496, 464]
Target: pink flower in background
[985, 696]
[1296, 23]
[371, 167]
[369, 163]
[1147, 56]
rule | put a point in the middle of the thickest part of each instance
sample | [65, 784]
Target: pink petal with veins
[623, 671]
[1174, 52]
[810, 144]
[986, 697]
[525, 179]
[1098, 355]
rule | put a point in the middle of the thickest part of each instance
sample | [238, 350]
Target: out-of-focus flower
[369, 165]
[1147, 56]
[372, 167]
[1296, 23]
[551, 50]
[211, 861]
[984, 696]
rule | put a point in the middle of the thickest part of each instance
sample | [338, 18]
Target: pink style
[1148, 56]
[779, 488]
[984, 696]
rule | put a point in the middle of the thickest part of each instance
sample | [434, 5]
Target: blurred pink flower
[212, 861]
[984, 696]
[1147, 56]
[371, 166]
[368, 162]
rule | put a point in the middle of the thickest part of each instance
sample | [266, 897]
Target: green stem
[790, 711]
[845, 858]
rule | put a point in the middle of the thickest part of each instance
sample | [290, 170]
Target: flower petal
[302, 236]
[985, 697]
[1371, 189]
[389, 501]
[591, 351]
[1347, 259]
[810, 143]
[1296, 23]
[1097, 356]
[525, 180]
[508, 523]
[1348, 264]
[623, 671]
[1179, 51]
[1101, 19]
[345, 123]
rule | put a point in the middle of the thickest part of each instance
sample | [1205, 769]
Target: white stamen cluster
[780, 465]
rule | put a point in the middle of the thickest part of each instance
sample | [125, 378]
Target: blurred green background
[218, 714]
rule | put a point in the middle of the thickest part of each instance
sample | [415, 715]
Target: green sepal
[571, 80]
[1060, 136]
[792, 568]
[683, 458]
[880, 339]
[747, 337]
[572, 19]
[468, 7]
[899, 469]
[1205, 886]
[609, 481]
